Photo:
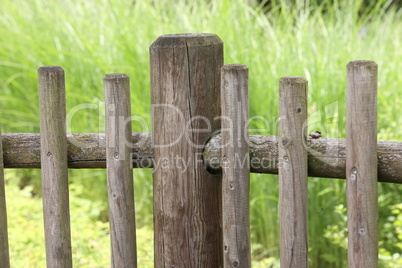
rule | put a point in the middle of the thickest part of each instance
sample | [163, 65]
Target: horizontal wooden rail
[85, 150]
[327, 157]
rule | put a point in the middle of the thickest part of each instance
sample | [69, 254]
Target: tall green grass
[305, 38]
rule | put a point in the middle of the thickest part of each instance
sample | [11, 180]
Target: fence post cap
[50, 69]
[186, 39]
[293, 79]
[115, 76]
[367, 63]
[234, 67]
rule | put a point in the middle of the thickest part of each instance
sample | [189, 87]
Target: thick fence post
[361, 164]
[54, 166]
[120, 170]
[292, 170]
[235, 167]
[4, 253]
[185, 83]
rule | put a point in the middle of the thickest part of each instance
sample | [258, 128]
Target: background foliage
[314, 39]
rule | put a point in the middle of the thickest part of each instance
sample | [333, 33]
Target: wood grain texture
[236, 167]
[56, 211]
[119, 170]
[293, 172]
[326, 157]
[4, 251]
[85, 150]
[185, 85]
[361, 164]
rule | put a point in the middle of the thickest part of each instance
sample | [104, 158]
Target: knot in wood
[285, 141]
[225, 159]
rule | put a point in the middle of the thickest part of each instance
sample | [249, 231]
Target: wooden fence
[201, 189]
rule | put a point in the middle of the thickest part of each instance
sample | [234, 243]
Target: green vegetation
[92, 38]
[90, 235]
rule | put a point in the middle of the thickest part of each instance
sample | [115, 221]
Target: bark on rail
[85, 150]
[327, 157]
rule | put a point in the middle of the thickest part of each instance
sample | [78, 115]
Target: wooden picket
[361, 164]
[4, 252]
[56, 210]
[119, 170]
[235, 167]
[293, 171]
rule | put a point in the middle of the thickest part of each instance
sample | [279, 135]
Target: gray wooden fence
[200, 115]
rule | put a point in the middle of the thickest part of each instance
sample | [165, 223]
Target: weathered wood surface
[120, 170]
[4, 252]
[327, 157]
[235, 167]
[293, 172]
[185, 85]
[56, 211]
[85, 150]
[361, 164]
